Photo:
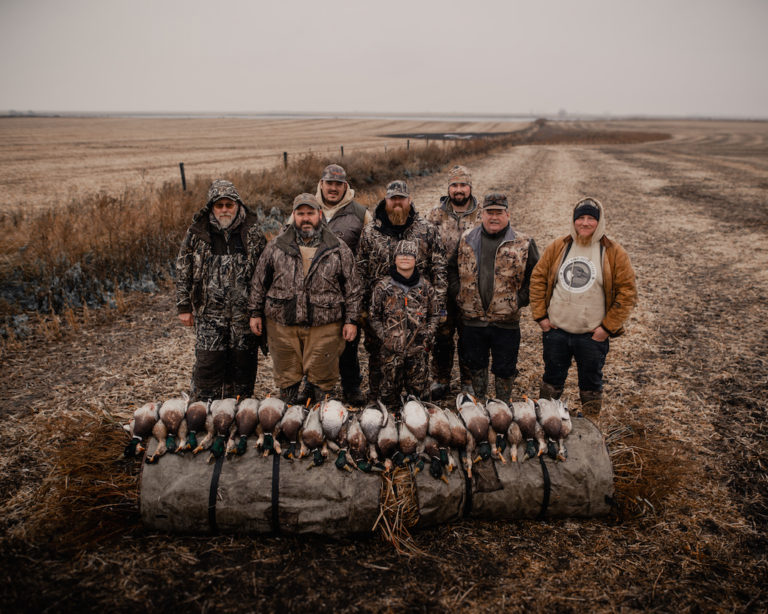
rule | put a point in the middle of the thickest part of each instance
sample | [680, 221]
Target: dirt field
[685, 418]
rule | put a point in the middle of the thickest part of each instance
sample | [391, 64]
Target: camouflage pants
[226, 358]
[442, 353]
[401, 373]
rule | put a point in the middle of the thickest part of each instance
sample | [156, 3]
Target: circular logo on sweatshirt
[577, 274]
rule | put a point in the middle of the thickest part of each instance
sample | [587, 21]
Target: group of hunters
[407, 284]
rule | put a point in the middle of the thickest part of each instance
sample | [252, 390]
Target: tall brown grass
[88, 252]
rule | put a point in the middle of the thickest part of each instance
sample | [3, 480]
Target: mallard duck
[435, 455]
[223, 413]
[358, 444]
[271, 411]
[171, 416]
[501, 417]
[514, 438]
[525, 415]
[140, 427]
[246, 420]
[387, 440]
[477, 422]
[415, 415]
[311, 436]
[372, 419]
[407, 442]
[565, 430]
[334, 417]
[548, 414]
[197, 412]
[440, 429]
[290, 426]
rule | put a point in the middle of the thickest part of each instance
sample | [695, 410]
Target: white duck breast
[197, 413]
[247, 416]
[458, 431]
[172, 412]
[333, 416]
[549, 417]
[358, 444]
[439, 426]
[271, 410]
[525, 415]
[292, 422]
[406, 439]
[312, 432]
[140, 427]
[416, 417]
[388, 437]
[474, 416]
[223, 413]
[500, 414]
[565, 430]
[372, 418]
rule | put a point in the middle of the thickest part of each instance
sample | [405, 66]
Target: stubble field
[685, 418]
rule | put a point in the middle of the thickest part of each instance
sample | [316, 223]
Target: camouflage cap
[459, 174]
[221, 188]
[495, 200]
[334, 172]
[306, 199]
[397, 188]
[407, 248]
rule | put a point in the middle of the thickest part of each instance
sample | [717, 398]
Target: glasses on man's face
[224, 205]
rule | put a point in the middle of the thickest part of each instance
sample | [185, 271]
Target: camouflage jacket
[451, 224]
[516, 256]
[404, 317]
[377, 245]
[214, 266]
[330, 292]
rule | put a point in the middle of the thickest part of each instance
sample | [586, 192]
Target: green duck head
[317, 458]
[551, 449]
[269, 442]
[170, 443]
[192, 439]
[484, 450]
[436, 468]
[242, 445]
[341, 460]
[531, 448]
[217, 449]
[130, 449]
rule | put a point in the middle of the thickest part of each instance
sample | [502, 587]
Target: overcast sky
[623, 57]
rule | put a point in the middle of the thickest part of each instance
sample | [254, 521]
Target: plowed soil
[685, 417]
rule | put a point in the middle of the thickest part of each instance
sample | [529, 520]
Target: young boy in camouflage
[403, 314]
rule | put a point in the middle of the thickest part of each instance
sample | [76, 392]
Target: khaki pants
[305, 350]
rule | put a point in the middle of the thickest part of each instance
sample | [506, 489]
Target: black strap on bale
[547, 489]
[212, 494]
[275, 519]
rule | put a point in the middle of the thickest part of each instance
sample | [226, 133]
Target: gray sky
[624, 57]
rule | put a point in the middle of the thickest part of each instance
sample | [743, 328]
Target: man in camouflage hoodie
[346, 218]
[490, 273]
[456, 213]
[306, 288]
[396, 219]
[213, 273]
[403, 317]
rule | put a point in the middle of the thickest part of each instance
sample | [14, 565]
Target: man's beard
[398, 216]
[307, 231]
[459, 200]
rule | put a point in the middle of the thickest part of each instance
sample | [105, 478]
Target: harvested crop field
[684, 418]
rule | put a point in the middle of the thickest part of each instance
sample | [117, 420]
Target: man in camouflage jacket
[404, 319]
[307, 289]
[346, 218]
[213, 272]
[490, 273]
[456, 213]
[396, 219]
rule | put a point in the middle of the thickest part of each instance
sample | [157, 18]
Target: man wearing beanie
[213, 275]
[456, 213]
[403, 317]
[489, 275]
[306, 293]
[582, 291]
[394, 220]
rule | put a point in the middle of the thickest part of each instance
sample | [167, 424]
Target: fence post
[285, 159]
[342, 151]
[408, 144]
[183, 178]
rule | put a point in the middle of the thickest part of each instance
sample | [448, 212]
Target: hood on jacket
[600, 230]
[329, 210]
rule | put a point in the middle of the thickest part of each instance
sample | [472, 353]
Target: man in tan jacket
[582, 291]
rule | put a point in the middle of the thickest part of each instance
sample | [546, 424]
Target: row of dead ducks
[369, 439]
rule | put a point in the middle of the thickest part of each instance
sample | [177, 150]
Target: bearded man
[305, 293]
[394, 220]
[457, 212]
[213, 274]
[582, 291]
